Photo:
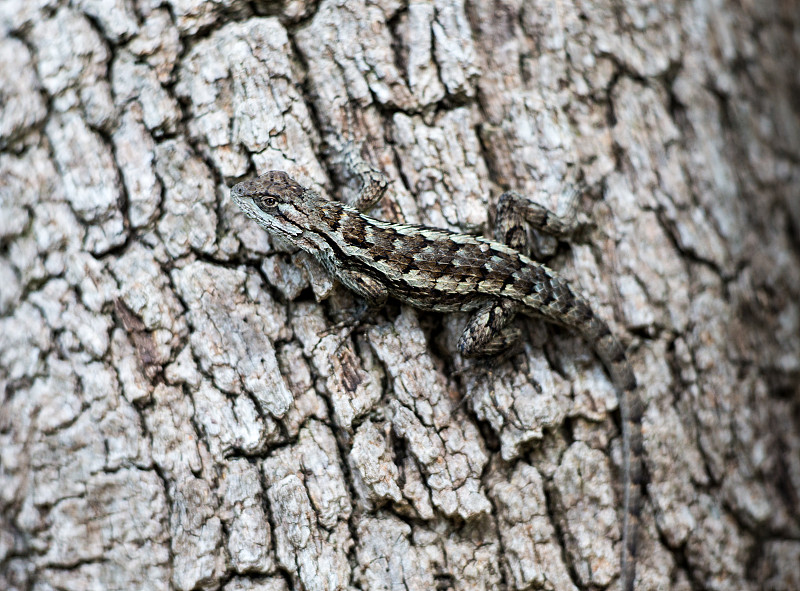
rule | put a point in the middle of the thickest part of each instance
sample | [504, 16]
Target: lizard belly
[438, 301]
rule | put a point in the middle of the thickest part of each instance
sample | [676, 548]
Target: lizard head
[273, 200]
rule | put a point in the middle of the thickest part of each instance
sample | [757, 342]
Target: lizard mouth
[246, 204]
[275, 223]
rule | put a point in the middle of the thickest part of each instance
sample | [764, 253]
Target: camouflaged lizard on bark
[443, 271]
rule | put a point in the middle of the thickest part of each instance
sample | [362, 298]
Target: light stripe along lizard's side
[443, 271]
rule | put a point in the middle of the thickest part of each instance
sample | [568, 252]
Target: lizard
[444, 271]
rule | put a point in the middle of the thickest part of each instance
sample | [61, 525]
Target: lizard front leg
[370, 290]
[373, 182]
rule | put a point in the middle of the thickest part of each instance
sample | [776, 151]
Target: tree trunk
[180, 409]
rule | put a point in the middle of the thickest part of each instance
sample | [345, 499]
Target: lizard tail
[609, 349]
[551, 297]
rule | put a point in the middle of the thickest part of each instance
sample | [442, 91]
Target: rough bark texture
[175, 415]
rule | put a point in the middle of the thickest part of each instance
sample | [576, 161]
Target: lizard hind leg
[488, 332]
[513, 210]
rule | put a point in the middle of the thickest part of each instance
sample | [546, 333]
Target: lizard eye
[265, 202]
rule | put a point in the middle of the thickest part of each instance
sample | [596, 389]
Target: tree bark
[180, 410]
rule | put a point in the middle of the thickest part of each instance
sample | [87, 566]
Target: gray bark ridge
[176, 410]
